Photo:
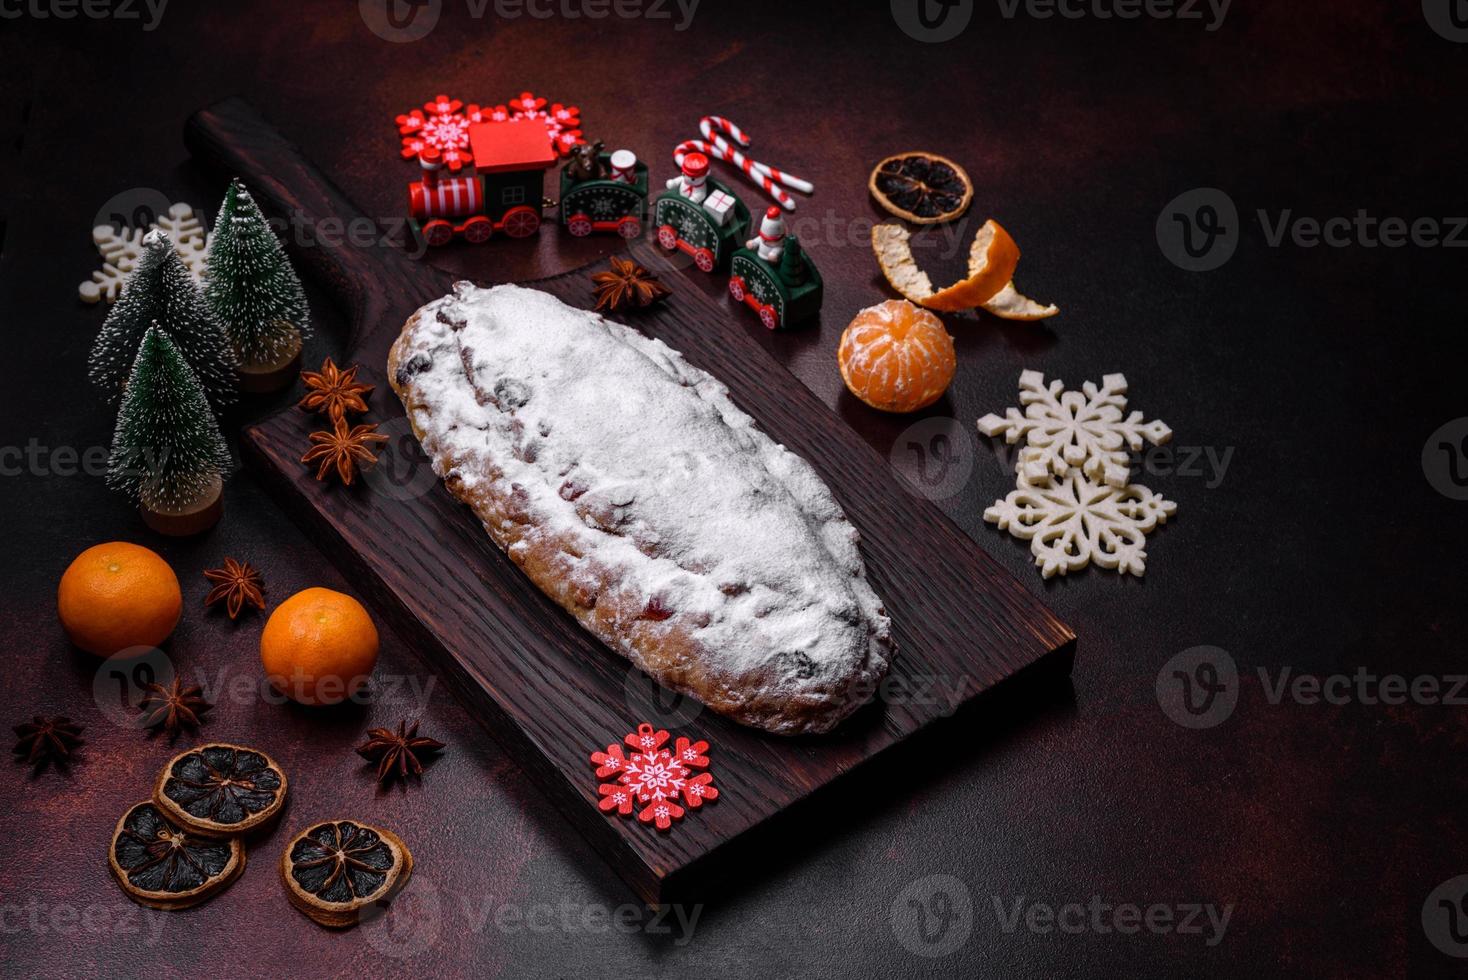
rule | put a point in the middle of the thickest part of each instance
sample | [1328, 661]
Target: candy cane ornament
[706, 126]
[715, 146]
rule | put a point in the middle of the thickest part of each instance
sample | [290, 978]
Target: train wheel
[668, 237]
[629, 227]
[769, 317]
[438, 232]
[478, 229]
[579, 225]
[704, 259]
[736, 289]
[521, 222]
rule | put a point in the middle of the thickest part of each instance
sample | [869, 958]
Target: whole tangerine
[118, 595]
[896, 357]
[318, 647]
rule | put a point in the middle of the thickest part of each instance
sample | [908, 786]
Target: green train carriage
[603, 204]
[689, 228]
[783, 295]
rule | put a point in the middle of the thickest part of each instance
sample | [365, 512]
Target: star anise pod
[236, 584]
[174, 707]
[334, 391]
[343, 449]
[626, 284]
[43, 740]
[397, 752]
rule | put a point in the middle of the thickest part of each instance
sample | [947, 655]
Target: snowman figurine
[692, 183]
[770, 244]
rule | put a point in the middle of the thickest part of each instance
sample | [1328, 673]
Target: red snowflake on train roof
[653, 777]
[440, 125]
[443, 125]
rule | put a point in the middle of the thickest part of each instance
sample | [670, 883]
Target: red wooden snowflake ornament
[440, 125]
[443, 123]
[654, 777]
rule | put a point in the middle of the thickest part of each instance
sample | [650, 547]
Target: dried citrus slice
[335, 869]
[923, 188]
[992, 260]
[221, 789]
[896, 357]
[162, 866]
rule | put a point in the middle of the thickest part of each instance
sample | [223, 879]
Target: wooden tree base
[196, 518]
[261, 379]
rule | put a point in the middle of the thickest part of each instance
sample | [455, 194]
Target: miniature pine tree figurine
[792, 262]
[167, 451]
[162, 292]
[255, 294]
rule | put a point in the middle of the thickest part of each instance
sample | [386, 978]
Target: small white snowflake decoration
[1062, 429]
[1074, 500]
[1074, 521]
[120, 251]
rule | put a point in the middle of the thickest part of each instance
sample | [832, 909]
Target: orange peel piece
[1010, 304]
[992, 260]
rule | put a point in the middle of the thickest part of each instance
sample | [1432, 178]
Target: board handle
[372, 279]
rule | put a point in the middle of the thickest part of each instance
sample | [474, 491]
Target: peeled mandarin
[896, 357]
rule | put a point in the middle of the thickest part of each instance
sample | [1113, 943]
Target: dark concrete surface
[1077, 827]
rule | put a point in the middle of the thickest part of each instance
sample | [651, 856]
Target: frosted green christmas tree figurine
[255, 294]
[167, 451]
[161, 292]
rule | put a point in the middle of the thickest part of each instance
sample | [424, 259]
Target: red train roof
[515, 144]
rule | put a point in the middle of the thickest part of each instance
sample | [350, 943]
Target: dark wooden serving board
[535, 679]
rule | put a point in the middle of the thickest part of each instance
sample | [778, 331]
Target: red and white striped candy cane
[715, 146]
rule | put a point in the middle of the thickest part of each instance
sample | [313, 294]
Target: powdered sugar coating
[633, 461]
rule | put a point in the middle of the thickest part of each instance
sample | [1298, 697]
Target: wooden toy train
[704, 219]
[503, 194]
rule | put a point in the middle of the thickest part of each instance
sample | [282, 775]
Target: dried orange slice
[992, 260]
[923, 188]
[336, 869]
[219, 790]
[162, 866]
[896, 357]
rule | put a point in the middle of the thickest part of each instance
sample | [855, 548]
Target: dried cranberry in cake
[221, 789]
[517, 505]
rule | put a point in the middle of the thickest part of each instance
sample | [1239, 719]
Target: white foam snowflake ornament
[120, 251]
[1087, 429]
[1072, 520]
